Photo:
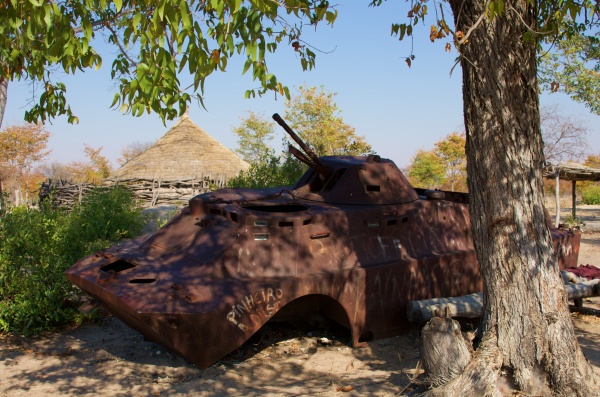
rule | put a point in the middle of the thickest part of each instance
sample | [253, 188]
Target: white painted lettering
[255, 309]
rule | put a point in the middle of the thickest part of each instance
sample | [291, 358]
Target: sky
[398, 109]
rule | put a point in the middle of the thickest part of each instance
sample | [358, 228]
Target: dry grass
[185, 151]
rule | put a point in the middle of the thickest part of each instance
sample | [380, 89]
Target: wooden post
[557, 199]
[152, 200]
[574, 194]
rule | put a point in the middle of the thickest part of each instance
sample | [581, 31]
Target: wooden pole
[557, 199]
[574, 195]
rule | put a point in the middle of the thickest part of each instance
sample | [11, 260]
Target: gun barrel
[296, 138]
[315, 162]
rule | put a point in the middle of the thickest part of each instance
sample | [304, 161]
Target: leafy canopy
[443, 167]
[572, 66]
[426, 170]
[162, 43]
[315, 117]
[20, 147]
[158, 44]
[451, 150]
[94, 170]
[254, 134]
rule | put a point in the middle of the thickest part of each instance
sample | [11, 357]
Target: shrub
[271, 172]
[38, 245]
[591, 195]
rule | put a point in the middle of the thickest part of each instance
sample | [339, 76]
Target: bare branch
[122, 49]
[565, 137]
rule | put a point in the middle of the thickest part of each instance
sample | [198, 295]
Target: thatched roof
[572, 172]
[185, 151]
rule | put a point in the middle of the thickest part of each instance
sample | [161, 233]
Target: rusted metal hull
[234, 259]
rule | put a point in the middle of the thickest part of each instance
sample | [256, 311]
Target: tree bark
[526, 327]
[3, 97]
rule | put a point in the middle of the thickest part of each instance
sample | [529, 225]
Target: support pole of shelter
[574, 194]
[557, 199]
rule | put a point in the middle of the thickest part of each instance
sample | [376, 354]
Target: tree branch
[119, 44]
[475, 25]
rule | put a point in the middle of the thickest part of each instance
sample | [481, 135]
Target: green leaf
[118, 4]
[47, 10]
[142, 69]
[247, 66]
[160, 11]
[137, 18]
[115, 99]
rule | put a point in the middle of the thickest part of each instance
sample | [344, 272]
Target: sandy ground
[112, 360]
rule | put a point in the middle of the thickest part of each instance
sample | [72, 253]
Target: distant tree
[565, 137]
[20, 148]
[315, 117]
[427, 170]
[443, 167]
[254, 134]
[55, 170]
[451, 150]
[95, 170]
[592, 160]
[571, 66]
[132, 150]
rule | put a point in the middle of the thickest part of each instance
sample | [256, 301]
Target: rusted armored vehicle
[351, 240]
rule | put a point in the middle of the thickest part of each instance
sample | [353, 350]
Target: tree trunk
[3, 97]
[526, 327]
[444, 352]
[2, 204]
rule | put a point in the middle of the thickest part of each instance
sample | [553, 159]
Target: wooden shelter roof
[185, 151]
[572, 172]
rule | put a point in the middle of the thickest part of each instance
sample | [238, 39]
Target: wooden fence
[150, 192]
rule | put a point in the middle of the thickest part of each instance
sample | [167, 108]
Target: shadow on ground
[111, 359]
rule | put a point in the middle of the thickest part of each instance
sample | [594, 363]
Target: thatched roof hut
[184, 152]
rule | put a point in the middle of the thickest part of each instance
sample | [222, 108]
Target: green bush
[591, 195]
[271, 172]
[38, 245]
